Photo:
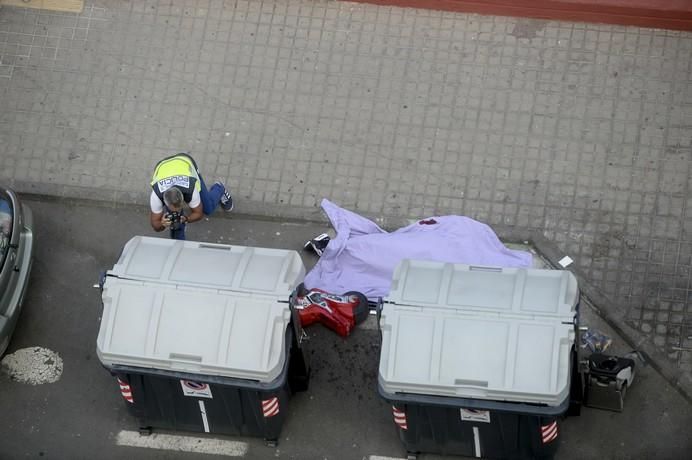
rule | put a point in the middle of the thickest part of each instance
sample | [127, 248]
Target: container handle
[214, 246]
[475, 383]
[185, 357]
[475, 268]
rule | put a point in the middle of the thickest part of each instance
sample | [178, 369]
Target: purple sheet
[363, 257]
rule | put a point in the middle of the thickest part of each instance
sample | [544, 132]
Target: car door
[9, 240]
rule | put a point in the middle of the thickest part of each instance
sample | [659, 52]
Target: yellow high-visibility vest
[176, 171]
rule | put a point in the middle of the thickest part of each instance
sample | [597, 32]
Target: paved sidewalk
[579, 134]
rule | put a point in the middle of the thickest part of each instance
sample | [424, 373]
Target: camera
[175, 218]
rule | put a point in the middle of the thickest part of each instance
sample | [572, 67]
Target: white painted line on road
[379, 457]
[182, 443]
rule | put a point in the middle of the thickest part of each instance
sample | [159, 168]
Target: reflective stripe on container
[399, 418]
[549, 432]
[126, 391]
[270, 407]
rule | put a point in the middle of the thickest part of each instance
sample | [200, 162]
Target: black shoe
[318, 243]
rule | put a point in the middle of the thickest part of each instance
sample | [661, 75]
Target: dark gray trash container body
[210, 404]
[434, 424]
[159, 403]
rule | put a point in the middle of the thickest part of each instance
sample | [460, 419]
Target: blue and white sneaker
[226, 200]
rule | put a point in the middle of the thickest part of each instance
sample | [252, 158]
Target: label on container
[195, 389]
[474, 415]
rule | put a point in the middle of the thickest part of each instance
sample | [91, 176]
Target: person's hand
[166, 221]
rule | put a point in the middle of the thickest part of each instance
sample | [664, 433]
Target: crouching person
[179, 195]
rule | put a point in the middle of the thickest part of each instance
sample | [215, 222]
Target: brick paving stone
[577, 132]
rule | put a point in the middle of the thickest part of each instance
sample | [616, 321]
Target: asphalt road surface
[83, 416]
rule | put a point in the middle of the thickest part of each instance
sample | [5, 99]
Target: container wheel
[271, 443]
[362, 310]
[145, 430]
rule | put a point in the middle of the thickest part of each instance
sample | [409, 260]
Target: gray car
[16, 255]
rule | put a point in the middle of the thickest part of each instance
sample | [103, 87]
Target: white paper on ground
[565, 261]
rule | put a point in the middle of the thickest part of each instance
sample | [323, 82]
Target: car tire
[362, 310]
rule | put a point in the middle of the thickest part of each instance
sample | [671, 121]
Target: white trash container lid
[502, 334]
[200, 308]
